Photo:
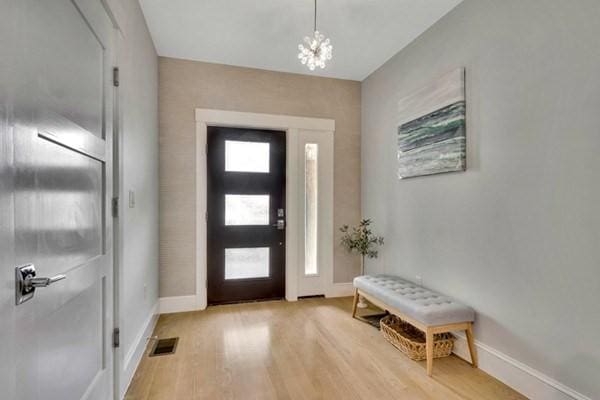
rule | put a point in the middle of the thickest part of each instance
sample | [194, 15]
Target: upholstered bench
[427, 310]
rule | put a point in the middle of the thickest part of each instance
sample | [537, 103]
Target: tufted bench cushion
[423, 305]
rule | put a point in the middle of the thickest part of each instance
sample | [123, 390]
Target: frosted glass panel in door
[246, 156]
[242, 209]
[244, 263]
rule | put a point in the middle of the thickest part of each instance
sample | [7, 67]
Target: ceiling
[265, 33]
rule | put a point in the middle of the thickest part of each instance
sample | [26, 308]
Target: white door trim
[289, 124]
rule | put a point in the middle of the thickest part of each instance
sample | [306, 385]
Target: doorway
[245, 214]
[297, 131]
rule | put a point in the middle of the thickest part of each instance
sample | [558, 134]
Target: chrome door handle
[26, 282]
[280, 224]
[42, 282]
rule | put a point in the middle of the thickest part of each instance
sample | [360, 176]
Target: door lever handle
[26, 282]
[280, 224]
[31, 282]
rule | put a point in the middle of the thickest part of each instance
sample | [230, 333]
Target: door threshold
[314, 296]
[225, 303]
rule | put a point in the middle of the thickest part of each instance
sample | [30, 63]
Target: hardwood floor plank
[306, 350]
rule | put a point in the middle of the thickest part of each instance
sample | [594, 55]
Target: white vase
[362, 303]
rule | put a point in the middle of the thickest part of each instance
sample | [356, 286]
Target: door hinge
[116, 337]
[116, 76]
[115, 207]
[206, 217]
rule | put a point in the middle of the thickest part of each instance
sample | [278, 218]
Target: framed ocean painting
[431, 128]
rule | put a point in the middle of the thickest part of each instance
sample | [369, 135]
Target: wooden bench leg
[354, 303]
[471, 342]
[429, 350]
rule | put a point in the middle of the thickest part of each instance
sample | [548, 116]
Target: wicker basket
[411, 341]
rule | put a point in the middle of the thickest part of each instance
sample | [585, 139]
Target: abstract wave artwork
[431, 128]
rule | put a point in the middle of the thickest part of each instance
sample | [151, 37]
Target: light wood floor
[310, 349]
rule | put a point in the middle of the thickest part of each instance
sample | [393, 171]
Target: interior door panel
[59, 181]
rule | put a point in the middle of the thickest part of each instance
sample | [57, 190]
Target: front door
[246, 214]
[55, 184]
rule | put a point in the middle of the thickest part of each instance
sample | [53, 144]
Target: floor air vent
[163, 347]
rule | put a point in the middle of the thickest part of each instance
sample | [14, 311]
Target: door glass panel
[246, 156]
[246, 209]
[311, 184]
[244, 263]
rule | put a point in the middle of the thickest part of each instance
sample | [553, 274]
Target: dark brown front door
[246, 215]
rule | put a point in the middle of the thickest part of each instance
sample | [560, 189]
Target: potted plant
[360, 239]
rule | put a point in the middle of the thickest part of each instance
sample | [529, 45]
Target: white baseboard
[340, 290]
[529, 382]
[190, 303]
[135, 353]
[178, 304]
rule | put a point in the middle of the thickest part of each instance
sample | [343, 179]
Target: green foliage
[360, 239]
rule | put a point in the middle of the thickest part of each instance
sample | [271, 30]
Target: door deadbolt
[26, 282]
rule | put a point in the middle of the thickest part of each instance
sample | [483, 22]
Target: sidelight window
[311, 192]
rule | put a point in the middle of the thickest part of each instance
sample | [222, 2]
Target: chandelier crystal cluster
[316, 50]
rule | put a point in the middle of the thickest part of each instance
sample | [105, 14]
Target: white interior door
[55, 206]
[315, 207]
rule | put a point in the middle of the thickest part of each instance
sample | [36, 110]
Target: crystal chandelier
[317, 50]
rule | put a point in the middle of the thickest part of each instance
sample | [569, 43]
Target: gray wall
[138, 96]
[517, 235]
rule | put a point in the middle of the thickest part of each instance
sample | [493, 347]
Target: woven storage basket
[411, 341]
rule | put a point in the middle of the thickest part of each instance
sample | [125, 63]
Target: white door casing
[292, 126]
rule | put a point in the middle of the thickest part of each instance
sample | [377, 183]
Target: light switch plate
[131, 199]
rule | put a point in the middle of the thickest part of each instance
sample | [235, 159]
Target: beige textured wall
[187, 85]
